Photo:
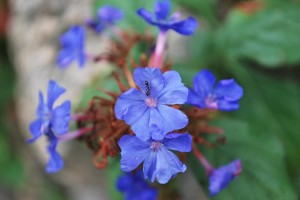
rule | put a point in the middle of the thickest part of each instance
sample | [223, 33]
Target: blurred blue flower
[55, 162]
[224, 96]
[164, 22]
[134, 187]
[221, 177]
[51, 121]
[72, 43]
[147, 110]
[106, 16]
[159, 162]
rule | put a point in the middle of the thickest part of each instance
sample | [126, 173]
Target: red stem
[208, 167]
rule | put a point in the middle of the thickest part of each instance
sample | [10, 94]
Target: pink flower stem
[74, 134]
[208, 167]
[157, 58]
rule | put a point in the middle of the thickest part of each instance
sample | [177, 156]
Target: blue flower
[147, 110]
[72, 43]
[134, 187]
[224, 96]
[164, 22]
[106, 16]
[51, 122]
[55, 162]
[221, 177]
[159, 162]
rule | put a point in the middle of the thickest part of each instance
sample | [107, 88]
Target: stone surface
[34, 32]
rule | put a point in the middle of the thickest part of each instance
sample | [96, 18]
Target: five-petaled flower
[72, 43]
[224, 96]
[147, 110]
[51, 122]
[135, 187]
[221, 177]
[159, 162]
[106, 16]
[164, 22]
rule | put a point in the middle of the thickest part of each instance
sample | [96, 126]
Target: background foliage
[260, 48]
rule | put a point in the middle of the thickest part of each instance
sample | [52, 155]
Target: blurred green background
[257, 43]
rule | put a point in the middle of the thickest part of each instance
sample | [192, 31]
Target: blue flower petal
[167, 166]
[61, 117]
[228, 105]
[162, 9]
[109, 14]
[221, 177]
[153, 76]
[40, 110]
[228, 90]
[147, 193]
[73, 38]
[195, 99]
[167, 119]
[65, 57]
[125, 182]
[36, 130]
[138, 116]
[54, 91]
[130, 98]
[185, 27]
[149, 167]
[55, 162]
[133, 152]
[146, 15]
[72, 47]
[203, 83]
[135, 187]
[174, 91]
[95, 25]
[178, 142]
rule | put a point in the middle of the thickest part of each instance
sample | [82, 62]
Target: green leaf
[264, 173]
[272, 107]
[269, 37]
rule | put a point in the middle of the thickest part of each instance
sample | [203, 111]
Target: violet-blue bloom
[159, 162]
[134, 187]
[225, 95]
[55, 162]
[221, 177]
[147, 110]
[51, 122]
[106, 16]
[165, 22]
[72, 47]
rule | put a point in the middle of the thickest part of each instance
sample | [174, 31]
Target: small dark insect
[147, 88]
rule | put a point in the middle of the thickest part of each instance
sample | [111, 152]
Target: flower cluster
[154, 119]
[51, 122]
[72, 47]
[225, 96]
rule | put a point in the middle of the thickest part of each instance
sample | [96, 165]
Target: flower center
[155, 145]
[211, 102]
[150, 102]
